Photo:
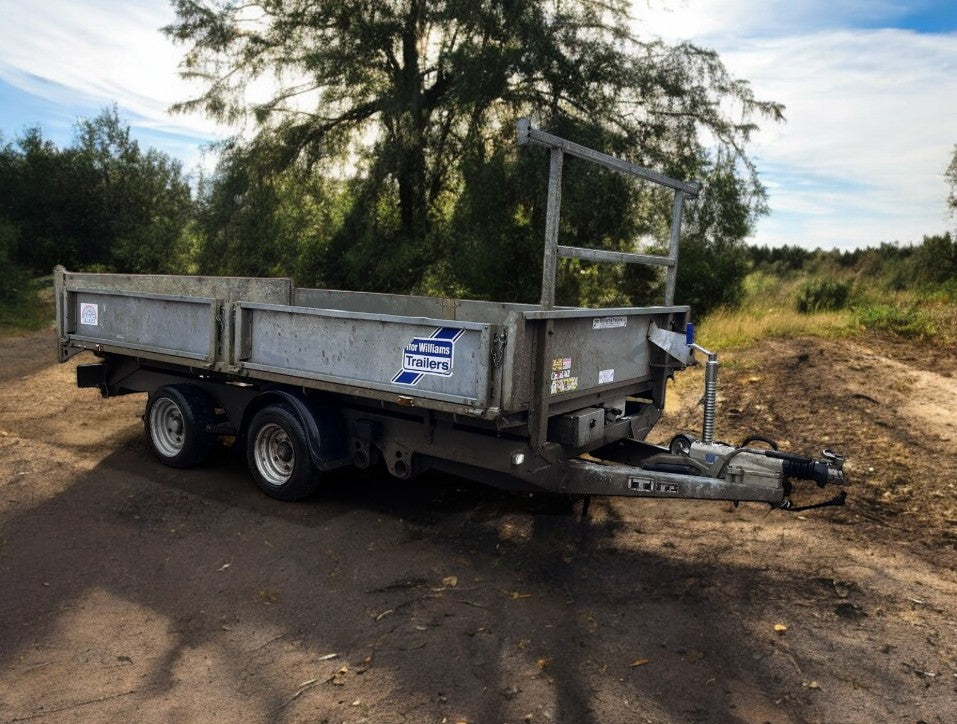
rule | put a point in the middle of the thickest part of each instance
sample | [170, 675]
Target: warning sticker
[606, 376]
[90, 314]
[562, 380]
[566, 384]
[609, 322]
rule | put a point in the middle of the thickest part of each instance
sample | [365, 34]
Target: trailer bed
[471, 357]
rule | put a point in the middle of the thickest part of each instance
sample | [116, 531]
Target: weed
[909, 322]
[822, 295]
[26, 304]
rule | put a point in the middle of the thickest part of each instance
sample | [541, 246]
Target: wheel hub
[274, 454]
[167, 427]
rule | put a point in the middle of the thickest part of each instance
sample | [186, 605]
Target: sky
[870, 89]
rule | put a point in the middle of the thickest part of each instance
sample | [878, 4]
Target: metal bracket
[675, 345]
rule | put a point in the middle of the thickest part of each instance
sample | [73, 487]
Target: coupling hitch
[754, 468]
[829, 471]
[823, 472]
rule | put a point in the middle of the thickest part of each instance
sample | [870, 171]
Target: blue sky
[870, 88]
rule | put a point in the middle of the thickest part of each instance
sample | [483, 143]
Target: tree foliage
[411, 104]
[929, 266]
[100, 202]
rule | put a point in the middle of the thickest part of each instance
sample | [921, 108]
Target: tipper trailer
[520, 396]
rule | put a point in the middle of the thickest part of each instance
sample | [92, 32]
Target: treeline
[892, 266]
[105, 204]
[380, 153]
[101, 203]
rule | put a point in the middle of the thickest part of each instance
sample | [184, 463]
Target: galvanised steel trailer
[524, 397]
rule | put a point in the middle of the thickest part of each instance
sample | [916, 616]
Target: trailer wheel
[175, 421]
[278, 455]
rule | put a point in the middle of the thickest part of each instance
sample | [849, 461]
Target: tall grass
[726, 328]
[26, 304]
[772, 307]
[769, 310]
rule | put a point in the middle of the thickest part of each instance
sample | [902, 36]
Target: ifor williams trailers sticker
[434, 355]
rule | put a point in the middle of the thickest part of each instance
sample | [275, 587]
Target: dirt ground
[131, 591]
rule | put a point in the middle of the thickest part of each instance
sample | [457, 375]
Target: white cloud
[870, 123]
[714, 20]
[870, 113]
[96, 52]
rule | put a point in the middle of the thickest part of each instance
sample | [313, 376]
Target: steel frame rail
[553, 250]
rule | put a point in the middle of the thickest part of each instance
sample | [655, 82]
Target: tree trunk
[411, 127]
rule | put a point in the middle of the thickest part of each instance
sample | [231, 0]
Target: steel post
[710, 398]
[671, 276]
[553, 213]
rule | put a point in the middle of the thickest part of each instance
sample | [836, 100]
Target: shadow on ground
[146, 591]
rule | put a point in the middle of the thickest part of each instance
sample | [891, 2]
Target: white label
[90, 314]
[429, 356]
[609, 322]
[606, 376]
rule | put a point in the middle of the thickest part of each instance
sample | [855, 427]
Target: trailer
[526, 397]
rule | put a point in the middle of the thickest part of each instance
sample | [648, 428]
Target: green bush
[909, 322]
[822, 295]
[21, 307]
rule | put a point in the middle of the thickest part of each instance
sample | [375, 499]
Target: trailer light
[518, 458]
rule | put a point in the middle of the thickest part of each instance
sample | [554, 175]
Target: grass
[771, 303]
[727, 329]
[26, 304]
[769, 310]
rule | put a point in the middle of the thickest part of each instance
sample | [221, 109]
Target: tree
[139, 202]
[253, 221]
[713, 262]
[417, 98]
[100, 202]
[935, 260]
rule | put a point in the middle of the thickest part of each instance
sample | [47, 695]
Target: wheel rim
[167, 427]
[275, 455]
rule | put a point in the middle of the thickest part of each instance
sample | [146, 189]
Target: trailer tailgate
[589, 350]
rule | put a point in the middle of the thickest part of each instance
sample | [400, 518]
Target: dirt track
[132, 591]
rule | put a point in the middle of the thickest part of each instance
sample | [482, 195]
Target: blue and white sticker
[433, 355]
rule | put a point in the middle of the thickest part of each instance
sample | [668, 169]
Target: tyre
[176, 420]
[278, 455]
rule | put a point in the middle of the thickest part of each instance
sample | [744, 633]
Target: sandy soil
[131, 591]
